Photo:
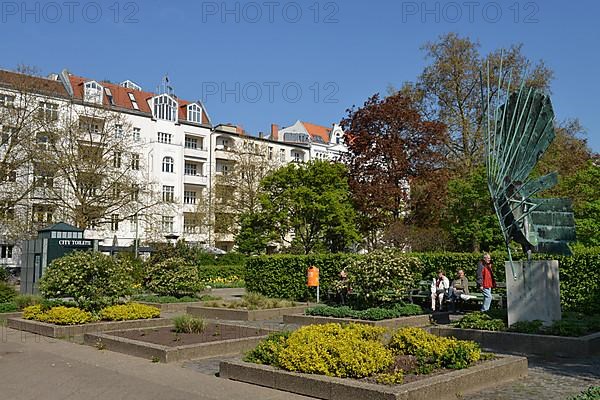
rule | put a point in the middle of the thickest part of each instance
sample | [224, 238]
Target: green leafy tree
[584, 189]
[255, 233]
[308, 207]
[470, 217]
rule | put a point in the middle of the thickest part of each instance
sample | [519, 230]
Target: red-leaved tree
[393, 148]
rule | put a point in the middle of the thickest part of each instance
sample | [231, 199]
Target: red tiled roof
[121, 97]
[19, 81]
[318, 130]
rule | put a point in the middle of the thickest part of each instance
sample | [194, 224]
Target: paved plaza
[35, 367]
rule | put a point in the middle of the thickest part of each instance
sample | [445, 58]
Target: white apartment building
[174, 145]
[325, 143]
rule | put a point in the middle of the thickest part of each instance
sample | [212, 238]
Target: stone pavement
[34, 368]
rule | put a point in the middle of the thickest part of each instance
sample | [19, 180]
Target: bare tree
[89, 169]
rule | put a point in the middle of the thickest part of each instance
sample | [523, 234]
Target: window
[164, 137]
[222, 169]
[137, 134]
[90, 125]
[191, 169]
[119, 130]
[7, 211]
[130, 85]
[135, 192]
[7, 100]
[167, 224]
[191, 143]
[116, 192]
[6, 251]
[117, 159]
[297, 156]
[133, 223]
[296, 137]
[270, 153]
[92, 92]
[134, 103]
[168, 194]
[282, 155]
[135, 161]
[189, 197]
[42, 213]
[43, 176]
[194, 113]
[165, 108]
[48, 111]
[191, 223]
[168, 164]
[109, 96]
[114, 222]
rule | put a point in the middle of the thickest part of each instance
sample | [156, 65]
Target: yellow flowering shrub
[352, 350]
[59, 315]
[129, 311]
[31, 312]
[434, 351]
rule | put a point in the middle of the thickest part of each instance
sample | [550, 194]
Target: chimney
[274, 132]
[261, 135]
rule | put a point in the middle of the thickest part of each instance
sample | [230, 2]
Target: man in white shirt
[439, 288]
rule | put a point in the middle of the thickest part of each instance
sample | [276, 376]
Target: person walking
[485, 280]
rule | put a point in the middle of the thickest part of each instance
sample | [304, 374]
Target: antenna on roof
[166, 87]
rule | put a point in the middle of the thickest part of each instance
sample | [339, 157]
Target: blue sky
[257, 63]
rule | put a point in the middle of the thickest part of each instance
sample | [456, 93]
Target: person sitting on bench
[439, 288]
[459, 288]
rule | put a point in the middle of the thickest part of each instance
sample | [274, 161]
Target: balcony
[195, 180]
[195, 153]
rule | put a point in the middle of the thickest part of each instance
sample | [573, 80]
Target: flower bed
[311, 360]
[571, 325]
[65, 315]
[370, 314]
[165, 345]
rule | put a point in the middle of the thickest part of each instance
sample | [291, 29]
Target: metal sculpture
[520, 127]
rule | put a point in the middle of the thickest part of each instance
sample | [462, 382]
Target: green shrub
[532, 327]
[371, 314]
[173, 277]
[591, 393]
[188, 324]
[93, 279]
[4, 274]
[267, 351]
[130, 311]
[8, 307]
[482, 321]
[383, 276]
[26, 300]
[7, 292]
[351, 351]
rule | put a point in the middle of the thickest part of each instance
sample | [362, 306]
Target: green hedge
[284, 276]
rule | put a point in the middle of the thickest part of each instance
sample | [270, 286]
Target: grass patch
[150, 298]
[253, 301]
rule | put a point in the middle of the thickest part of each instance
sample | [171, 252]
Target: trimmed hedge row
[284, 276]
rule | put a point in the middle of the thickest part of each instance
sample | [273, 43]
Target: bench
[422, 293]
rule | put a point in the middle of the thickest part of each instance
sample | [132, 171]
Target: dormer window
[165, 108]
[130, 85]
[92, 92]
[194, 113]
[134, 103]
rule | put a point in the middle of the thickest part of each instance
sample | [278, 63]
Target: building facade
[173, 148]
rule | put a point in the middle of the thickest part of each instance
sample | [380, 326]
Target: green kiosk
[52, 242]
